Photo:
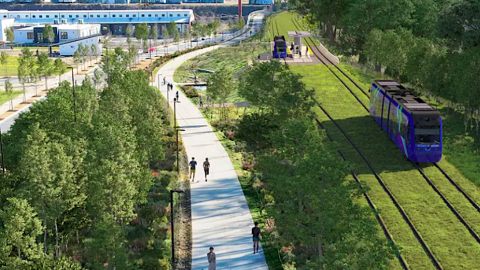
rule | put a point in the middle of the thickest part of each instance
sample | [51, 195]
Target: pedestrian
[193, 165]
[164, 80]
[201, 102]
[168, 86]
[177, 95]
[212, 260]
[257, 236]
[171, 86]
[206, 168]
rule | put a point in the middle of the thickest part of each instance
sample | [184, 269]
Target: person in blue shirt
[193, 165]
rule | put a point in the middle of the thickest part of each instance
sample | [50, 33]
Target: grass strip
[448, 238]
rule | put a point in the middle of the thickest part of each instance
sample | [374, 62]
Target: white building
[62, 32]
[68, 48]
[4, 24]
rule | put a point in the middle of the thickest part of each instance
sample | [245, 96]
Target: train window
[391, 123]
[407, 133]
[386, 103]
[427, 135]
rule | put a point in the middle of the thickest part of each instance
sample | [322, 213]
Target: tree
[19, 229]
[9, 34]
[85, 56]
[4, 60]
[220, 85]
[154, 33]
[77, 58]
[24, 75]
[9, 91]
[48, 33]
[97, 77]
[172, 29]
[176, 39]
[94, 50]
[60, 68]
[188, 35]
[129, 32]
[141, 33]
[45, 67]
[241, 23]
[166, 36]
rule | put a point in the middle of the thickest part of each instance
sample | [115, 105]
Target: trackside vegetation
[294, 180]
[88, 178]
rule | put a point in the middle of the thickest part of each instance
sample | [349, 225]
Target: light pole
[74, 105]
[171, 220]
[174, 112]
[1, 150]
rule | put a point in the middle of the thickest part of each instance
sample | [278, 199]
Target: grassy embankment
[234, 58]
[437, 224]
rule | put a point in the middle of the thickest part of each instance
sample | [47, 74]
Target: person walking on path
[212, 260]
[206, 168]
[164, 80]
[256, 237]
[177, 95]
[193, 165]
[201, 102]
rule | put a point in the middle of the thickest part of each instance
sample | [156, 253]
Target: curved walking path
[220, 214]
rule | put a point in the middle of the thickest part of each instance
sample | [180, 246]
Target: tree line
[87, 177]
[431, 45]
[302, 182]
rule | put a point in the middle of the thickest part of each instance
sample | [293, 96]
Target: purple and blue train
[414, 126]
[280, 47]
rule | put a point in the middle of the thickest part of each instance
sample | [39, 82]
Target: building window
[134, 16]
[143, 15]
[185, 15]
[163, 15]
[156, 15]
[70, 16]
[77, 16]
[63, 16]
[4, 16]
[105, 16]
[33, 16]
[113, 15]
[30, 35]
[48, 16]
[120, 15]
[171, 15]
[91, 16]
[56, 16]
[127, 15]
[178, 15]
[84, 16]
[40, 16]
[64, 35]
[26, 16]
[98, 15]
[149, 15]
[18, 16]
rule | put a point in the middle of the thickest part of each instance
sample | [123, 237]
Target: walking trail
[220, 214]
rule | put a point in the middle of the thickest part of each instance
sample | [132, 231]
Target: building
[260, 2]
[4, 24]
[68, 48]
[62, 32]
[113, 21]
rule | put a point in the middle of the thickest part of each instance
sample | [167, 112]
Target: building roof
[74, 40]
[61, 27]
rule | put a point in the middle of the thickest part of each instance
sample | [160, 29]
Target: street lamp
[1, 150]
[171, 221]
[74, 105]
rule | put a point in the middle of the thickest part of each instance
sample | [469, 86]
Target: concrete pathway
[220, 214]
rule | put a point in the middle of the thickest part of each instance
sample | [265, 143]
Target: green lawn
[11, 67]
[4, 97]
[454, 247]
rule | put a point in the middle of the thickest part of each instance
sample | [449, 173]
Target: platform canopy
[299, 34]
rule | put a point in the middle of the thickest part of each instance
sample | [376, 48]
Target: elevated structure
[114, 21]
[297, 40]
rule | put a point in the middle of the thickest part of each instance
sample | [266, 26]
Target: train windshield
[427, 135]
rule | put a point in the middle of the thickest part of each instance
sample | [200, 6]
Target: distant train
[414, 126]
[280, 47]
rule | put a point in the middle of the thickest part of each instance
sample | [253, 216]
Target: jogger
[206, 168]
[193, 165]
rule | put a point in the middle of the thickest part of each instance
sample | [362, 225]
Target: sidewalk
[220, 214]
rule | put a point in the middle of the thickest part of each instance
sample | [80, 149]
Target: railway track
[400, 257]
[324, 60]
